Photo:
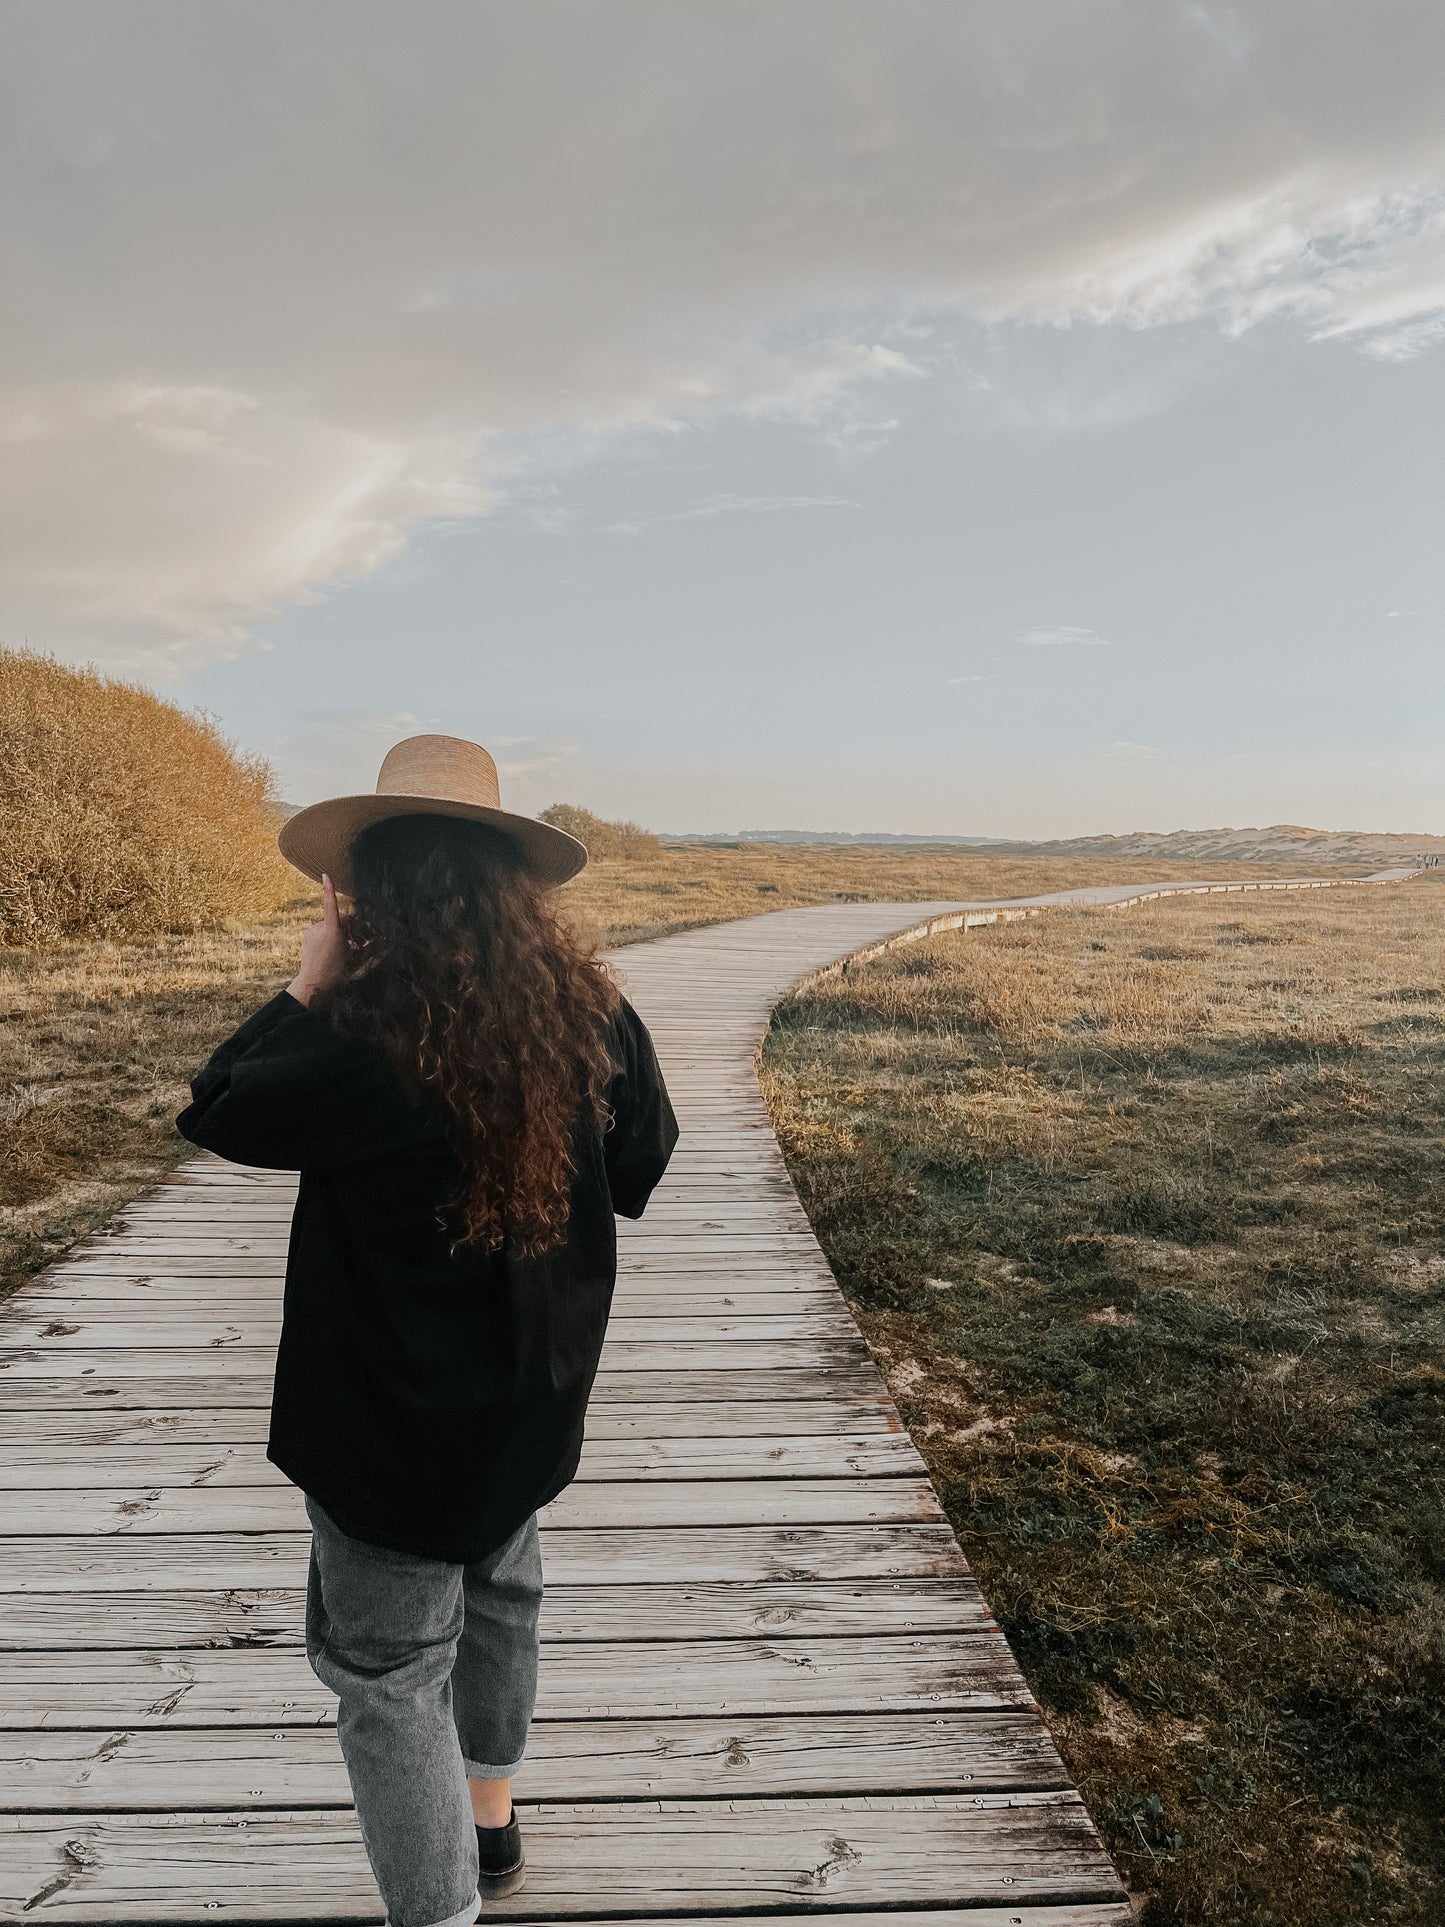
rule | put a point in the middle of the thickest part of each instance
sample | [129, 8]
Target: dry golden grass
[683, 885]
[1143, 1214]
[97, 1042]
[98, 1039]
[121, 815]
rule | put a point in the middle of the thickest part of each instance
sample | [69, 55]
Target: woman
[468, 1101]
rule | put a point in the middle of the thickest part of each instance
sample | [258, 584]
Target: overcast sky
[1017, 418]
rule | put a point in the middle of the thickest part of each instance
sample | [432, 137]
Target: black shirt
[429, 1400]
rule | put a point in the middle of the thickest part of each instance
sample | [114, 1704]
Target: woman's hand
[323, 950]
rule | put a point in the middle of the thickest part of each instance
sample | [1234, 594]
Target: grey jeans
[435, 1666]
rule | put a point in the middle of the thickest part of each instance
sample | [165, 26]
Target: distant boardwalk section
[769, 1682]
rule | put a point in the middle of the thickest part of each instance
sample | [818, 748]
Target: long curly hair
[463, 976]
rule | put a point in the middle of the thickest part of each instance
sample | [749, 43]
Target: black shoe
[501, 1864]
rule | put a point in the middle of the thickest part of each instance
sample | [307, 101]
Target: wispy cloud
[856, 440]
[959, 679]
[1416, 338]
[1130, 753]
[1065, 637]
[730, 505]
[529, 760]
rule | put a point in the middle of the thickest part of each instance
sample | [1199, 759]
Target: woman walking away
[468, 1101]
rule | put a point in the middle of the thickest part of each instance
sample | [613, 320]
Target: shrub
[602, 838]
[122, 815]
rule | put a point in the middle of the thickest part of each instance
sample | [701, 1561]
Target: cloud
[1130, 753]
[160, 523]
[285, 283]
[730, 505]
[961, 679]
[535, 767]
[1407, 343]
[759, 504]
[1063, 638]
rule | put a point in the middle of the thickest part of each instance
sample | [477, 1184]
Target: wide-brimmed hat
[425, 776]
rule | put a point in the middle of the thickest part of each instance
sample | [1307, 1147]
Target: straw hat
[432, 776]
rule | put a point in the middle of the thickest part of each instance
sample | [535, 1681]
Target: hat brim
[317, 841]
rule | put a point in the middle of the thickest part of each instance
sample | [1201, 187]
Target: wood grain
[732, 1418]
[731, 1755]
[744, 1555]
[626, 1503]
[710, 1609]
[630, 1858]
[595, 1679]
[103, 1468]
[247, 1385]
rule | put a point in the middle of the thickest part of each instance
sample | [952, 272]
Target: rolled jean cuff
[467, 1915]
[476, 1771]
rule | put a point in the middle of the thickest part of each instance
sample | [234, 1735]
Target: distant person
[468, 1100]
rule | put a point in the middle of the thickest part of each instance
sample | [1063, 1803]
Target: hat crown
[445, 767]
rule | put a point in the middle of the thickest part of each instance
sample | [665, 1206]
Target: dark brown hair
[463, 976]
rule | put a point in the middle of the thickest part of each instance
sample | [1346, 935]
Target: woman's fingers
[323, 949]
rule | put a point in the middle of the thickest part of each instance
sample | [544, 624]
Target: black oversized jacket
[430, 1401]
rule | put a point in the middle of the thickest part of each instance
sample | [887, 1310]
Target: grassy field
[695, 884]
[1143, 1213]
[97, 1039]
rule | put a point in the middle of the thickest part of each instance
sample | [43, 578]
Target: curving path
[770, 1684]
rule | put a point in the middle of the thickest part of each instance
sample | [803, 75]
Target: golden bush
[603, 839]
[122, 815]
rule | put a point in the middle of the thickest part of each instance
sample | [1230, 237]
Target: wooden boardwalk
[769, 1683]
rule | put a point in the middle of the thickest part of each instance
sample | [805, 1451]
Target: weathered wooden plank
[243, 1387]
[753, 1173]
[274, 1685]
[741, 1555]
[738, 1207]
[743, 1356]
[226, 1231]
[207, 1277]
[731, 1756]
[689, 1167]
[630, 1503]
[158, 1329]
[672, 1241]
[702, 1273]
[649, 1296]
[756, 1170]
[742, 1197]
[84, 1263]
[630, 1858]
[274, 1615]
[104, 1423]
[27, 1468]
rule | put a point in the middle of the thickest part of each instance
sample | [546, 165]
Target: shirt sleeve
[289, 1092]
[643, 1129]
